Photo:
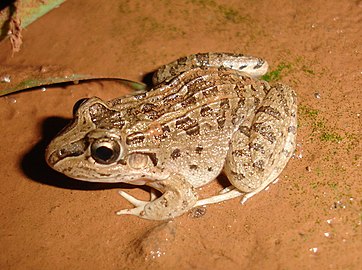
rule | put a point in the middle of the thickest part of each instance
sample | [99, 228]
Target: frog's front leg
[178, 197]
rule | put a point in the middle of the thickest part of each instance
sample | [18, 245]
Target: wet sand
[309, 219]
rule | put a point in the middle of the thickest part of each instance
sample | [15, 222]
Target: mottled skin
[198, 120]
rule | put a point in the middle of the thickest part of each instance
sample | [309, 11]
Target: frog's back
[186, 124]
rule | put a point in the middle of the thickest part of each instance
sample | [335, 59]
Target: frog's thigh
[259, 152]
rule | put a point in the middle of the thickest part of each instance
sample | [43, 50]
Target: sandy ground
[309, 219]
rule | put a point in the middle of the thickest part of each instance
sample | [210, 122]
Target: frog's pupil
[104, 153]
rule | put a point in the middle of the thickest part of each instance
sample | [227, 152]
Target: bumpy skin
[198, 120]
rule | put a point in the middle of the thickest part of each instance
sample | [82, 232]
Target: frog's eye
[105, 150]
[78, 104]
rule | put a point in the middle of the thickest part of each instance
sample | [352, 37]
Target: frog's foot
[223, 196]
[256, 191]
[139, 205]
[246, 196]
[231, 192]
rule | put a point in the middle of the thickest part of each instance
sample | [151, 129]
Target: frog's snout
[64, 150]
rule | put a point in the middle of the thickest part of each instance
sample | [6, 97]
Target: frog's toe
[136, 202]
[137, 211]
[139, 205]
[226, 190]
[225, 195]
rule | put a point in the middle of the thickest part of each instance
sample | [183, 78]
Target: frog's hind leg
[260, 150]
[232, 192]
[254, 66]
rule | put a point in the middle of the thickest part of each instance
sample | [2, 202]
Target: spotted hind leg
[254, 66]
[260, 150]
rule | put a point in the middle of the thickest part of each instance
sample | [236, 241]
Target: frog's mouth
[81, 169]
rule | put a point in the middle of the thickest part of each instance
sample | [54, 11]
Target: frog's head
[93, 148]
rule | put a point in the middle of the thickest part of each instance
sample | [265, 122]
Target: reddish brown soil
[310, 219]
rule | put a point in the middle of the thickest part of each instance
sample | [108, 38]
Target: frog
[206, 114]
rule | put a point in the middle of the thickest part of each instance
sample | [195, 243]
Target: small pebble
[197, 212]
[5, 79]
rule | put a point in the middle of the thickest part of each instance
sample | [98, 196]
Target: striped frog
[207, 113]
